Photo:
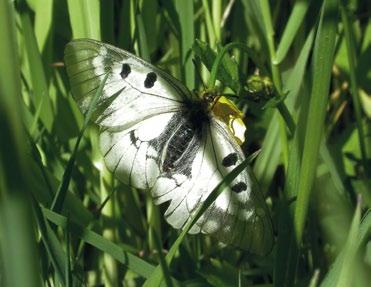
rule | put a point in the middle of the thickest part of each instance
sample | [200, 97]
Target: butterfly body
[158, 136]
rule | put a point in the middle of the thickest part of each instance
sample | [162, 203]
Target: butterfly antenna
[198, 68]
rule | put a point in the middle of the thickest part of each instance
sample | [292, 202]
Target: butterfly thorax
[184, 141]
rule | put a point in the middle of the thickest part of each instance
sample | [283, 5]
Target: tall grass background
[64, 219]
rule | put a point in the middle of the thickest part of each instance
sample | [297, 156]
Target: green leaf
[228, 70]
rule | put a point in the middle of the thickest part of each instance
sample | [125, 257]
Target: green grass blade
[60, 195]
[69, 281]
[324, 45]
[18, 249]
[347, 270]
[267, 20]
[85, 18]
[268, 159]
[142, 38]
[43, 22]
[351, 51]
[17, 243]
[292, 27]
[40, 89]
[341, 273]
[122, 253]
[51, 243]
[185, 14]
[209, 23]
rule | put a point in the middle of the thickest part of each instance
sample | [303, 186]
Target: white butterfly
[157, 135]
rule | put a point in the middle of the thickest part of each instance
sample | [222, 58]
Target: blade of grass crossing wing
[157, 276]
[60, 195]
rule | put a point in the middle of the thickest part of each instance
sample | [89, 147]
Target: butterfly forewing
[155, 136]
[134, 90]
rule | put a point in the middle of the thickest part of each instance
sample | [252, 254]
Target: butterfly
[156, 135]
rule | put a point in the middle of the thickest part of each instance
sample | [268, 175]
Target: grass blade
[85, 18]
[122, 253]
[185, 14]
[18, 256]
[351, 50]
[60, 195]
[324, 43]
[40, 95]
[292, 27]
[340, 273]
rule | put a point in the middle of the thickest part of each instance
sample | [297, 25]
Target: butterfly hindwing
[238, 215]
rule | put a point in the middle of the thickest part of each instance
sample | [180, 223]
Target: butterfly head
[209, 98]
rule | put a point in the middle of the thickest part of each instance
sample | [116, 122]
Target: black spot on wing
[134, 139]
[230, 159]
[125, 71]
[150, 80]
[238, 187]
